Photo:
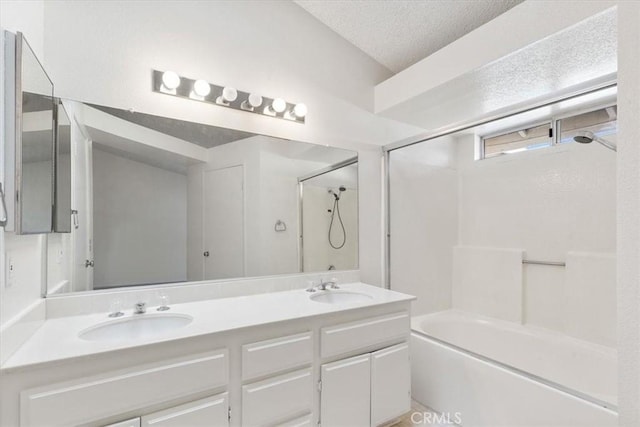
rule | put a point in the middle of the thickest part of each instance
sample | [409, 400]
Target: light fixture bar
[221, 96]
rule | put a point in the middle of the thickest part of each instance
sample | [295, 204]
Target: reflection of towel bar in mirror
[280, 226]
[551, 263]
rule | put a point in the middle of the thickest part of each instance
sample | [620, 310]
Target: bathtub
[489, 372]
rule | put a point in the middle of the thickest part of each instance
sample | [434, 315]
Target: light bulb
[170, 80]
[201, 88]
[254, 100]
[229, 94]
[300, 110]
[278, 105]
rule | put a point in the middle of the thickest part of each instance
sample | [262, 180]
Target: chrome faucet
[140, 308]
[323, 285]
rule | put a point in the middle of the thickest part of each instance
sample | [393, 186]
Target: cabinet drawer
[277, 399]
[346, 337]
[133, 422]
[304, 421]
[104, 395]
[276, 355]
[211, 411]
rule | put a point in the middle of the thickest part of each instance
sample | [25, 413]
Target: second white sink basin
[340, 297]
[139, 326]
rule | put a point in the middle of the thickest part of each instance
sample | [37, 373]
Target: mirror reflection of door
[82, 202]
[223, 228]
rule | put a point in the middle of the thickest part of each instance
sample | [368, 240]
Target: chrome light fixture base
[185, 89]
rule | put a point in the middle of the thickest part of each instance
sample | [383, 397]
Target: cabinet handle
[3, 218]
[74, 215]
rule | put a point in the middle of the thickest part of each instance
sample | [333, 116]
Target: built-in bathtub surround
[512, 254]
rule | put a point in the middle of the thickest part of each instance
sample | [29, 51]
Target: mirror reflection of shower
[329, 218]
[336, 211]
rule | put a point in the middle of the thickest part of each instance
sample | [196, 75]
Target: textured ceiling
[399, 33]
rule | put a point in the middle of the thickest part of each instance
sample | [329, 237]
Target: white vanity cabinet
[368, 389]
[283, 396]
[349, 368]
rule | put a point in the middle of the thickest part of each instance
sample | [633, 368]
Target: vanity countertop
[58, 339]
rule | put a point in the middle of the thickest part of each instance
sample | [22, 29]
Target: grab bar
[552, 263]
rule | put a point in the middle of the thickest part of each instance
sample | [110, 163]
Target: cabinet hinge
[320, 385]
[229, 413]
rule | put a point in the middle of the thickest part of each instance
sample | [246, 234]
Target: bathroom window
[527, 139]
[602, 123]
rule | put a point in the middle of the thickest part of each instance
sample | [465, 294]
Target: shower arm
[605, 143]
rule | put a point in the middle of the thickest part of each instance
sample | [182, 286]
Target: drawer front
[133, 422]
[340, 339]
[276, 355]
[211, 411]
[304, 421]
[272, 401]
[117, 392]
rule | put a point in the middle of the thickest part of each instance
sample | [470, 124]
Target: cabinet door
[211, 412]
[390, 384]
[134, 422]
[345, 395]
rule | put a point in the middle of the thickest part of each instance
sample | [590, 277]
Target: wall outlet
[11, 273]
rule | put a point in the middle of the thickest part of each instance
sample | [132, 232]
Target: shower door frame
[348, 162]
[449, 130]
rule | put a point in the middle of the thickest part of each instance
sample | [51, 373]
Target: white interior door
[345, 399]
[82, 202]
[390, 384]
[223, 224]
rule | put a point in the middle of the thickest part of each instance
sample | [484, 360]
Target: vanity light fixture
[299, 111]
[276, 107]
[170, 83]
[252, 102]
[229, 95]
[201, 88]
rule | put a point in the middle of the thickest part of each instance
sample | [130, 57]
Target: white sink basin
[139, 326]
[340, 297]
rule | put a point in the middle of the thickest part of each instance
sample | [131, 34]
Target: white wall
[628, 230]
[290, 54]
[27, 280]
[139, 222]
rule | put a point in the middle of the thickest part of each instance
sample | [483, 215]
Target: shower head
[587, 137]
[342, 188]
[337, 196]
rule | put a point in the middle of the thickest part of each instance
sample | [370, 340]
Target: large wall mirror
[157, 200]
